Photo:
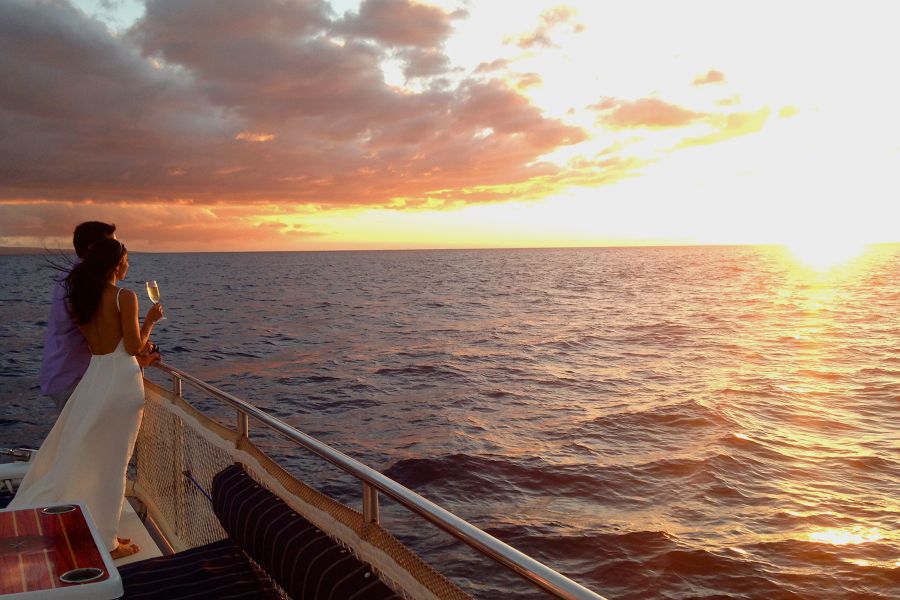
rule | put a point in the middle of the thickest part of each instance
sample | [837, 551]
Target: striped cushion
[217, 571]
[304, 561]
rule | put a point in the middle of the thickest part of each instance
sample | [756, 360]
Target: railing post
[243, 425]
[370, 503]
[176, 386]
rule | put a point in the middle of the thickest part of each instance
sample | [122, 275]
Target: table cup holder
[82, 575]
[59, 509]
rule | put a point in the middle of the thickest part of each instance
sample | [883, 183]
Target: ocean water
[654, 423]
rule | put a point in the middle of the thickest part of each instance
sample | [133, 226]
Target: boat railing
[375, 483]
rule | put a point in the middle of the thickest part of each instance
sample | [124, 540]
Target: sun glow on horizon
[823, 254]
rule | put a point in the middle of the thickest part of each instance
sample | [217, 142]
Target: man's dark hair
[89, 233]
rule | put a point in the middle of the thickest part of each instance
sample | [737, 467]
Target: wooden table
[54, 553]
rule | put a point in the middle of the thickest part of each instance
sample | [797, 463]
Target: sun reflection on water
[880, 564]
[806, 325]
[846, 537]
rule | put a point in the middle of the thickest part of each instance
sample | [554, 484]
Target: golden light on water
[862, 562]
[846, 537]
[821, 254]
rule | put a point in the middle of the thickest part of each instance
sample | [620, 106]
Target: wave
[689, 414]
[823, 375]
[502, 480]
[879, 372]
[301, 380]
[421, 370]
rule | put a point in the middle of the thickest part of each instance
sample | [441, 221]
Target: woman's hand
[148, 355]
[134, 334]
[154, 314]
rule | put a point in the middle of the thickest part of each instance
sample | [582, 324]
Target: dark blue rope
[196, 484]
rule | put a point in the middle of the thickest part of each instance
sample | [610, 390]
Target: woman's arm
[134, 335]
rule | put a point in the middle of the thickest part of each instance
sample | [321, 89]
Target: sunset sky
[309, 125]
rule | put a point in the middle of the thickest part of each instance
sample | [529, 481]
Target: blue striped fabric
[303, 560]
[217, 571]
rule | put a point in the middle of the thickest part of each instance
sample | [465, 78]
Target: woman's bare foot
[123, 541]
[123, 550]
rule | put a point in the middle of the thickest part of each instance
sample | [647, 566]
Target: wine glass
[153, 292]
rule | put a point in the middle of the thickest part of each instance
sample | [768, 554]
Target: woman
[85, 456]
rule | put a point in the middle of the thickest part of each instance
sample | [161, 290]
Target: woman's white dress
[86, 454]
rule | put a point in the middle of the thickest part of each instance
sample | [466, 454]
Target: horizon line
[36, 250]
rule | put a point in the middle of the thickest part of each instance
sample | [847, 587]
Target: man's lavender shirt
[66, 352]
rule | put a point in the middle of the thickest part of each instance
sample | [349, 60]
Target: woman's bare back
[104, 332]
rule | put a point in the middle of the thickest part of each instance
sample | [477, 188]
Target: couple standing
[92, 369]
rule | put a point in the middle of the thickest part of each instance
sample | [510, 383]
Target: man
[66, 352]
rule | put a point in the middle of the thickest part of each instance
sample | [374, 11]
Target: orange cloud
[730, 101]
[602, 169]
[248, 136]
[644, 112]
[711, 76]
[158, 227]
[527, 80]
[550, 19]
[731, 125]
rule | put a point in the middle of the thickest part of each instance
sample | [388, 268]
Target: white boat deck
[130, 526]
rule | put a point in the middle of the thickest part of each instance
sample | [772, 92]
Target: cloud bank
[262, 101]
[228, 120]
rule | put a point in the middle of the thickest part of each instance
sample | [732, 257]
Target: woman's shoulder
[125, 294]
[120, 296]
[114, 290]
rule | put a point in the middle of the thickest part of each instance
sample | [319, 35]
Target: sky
[229, 125]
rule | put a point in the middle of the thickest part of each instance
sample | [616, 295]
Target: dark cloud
[424, 63]
[399, 23]
[493, 66]
[250, 101]
[164, 23]
[264, 69]
[644, 112]
[77, 106]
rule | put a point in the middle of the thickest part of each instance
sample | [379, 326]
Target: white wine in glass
[153, 292]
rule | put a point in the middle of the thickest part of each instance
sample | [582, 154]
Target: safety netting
[178, 452]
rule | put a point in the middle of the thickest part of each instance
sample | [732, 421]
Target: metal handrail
[528, 568]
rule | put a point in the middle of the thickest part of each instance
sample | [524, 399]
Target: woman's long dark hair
[84, 285]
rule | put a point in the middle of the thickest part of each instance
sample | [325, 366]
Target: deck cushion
[303, 560]
[217, 571]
